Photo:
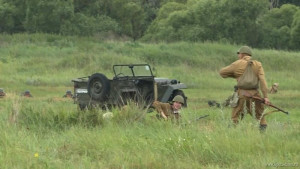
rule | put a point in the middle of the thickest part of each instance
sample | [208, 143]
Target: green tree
[162, 27]
[84, 25]
[132, 19]
[294, 2]
[93, 7]
[48, 16]
[276, 26]
[12, 14]
[209, 20]
[151, 8]
[7, 21]
[206, 15]
[238, 20]
[295, 31]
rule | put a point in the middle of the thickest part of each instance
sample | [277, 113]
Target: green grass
[48, 131]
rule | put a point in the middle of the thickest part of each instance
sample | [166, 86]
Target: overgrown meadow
[48, 131]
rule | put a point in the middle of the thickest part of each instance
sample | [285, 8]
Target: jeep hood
[166, 81]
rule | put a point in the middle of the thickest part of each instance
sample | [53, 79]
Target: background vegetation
[48, 131]
[273, 24]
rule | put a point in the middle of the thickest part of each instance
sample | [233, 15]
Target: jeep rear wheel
[98, 87]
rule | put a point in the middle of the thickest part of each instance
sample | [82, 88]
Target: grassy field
[48, 131]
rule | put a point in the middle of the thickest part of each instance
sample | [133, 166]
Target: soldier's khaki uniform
[2, 94]
[236, 70]
[167, 109]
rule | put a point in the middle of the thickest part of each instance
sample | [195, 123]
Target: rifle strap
[246, 94]
[268, 113]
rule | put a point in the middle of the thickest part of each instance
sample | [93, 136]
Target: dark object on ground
[2, 93]
[26, 94]
[199, 118]
[213, 103]
[131, 82]
[262, 128]
[68, 94]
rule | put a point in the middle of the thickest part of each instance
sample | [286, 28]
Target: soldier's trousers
[243, 100]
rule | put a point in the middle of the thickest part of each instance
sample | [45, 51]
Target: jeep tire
[98, 87]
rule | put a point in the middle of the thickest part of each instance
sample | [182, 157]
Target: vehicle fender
[169, 91]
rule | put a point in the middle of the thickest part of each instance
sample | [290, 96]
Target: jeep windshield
[132, 70]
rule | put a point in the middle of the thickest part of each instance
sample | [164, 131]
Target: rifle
[201, 117]
[263, 101]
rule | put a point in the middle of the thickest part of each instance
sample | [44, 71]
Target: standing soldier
[169, 110]
[236, 70]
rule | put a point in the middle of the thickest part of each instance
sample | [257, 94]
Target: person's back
[236, 70]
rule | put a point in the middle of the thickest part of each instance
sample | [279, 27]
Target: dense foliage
[259, 23]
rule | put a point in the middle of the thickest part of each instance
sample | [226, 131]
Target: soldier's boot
[233, 124]
[262, 128]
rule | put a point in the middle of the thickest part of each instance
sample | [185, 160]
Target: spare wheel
[98, 87]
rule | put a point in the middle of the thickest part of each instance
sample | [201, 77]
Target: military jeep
[131, 82]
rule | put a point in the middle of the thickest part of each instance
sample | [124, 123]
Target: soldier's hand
[267, 101]
[164, 116]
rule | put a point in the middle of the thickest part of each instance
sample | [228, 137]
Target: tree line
[258, 23]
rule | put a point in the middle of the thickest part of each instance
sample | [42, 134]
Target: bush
[295, 31]
[276, 27]
[84, 25]
[7, 21]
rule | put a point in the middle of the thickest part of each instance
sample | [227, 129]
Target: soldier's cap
[1, 90]
[179, 99]
[246, 50]
[27, 91]
[69, 91]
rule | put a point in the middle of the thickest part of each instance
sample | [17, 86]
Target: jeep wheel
[179, 92]
[98, 87]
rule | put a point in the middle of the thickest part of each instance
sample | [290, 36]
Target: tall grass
[48, 131]
[51, 136]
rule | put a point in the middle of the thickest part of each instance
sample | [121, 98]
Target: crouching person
[169, 110]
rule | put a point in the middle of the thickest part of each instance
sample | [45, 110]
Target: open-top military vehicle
[131, 82]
